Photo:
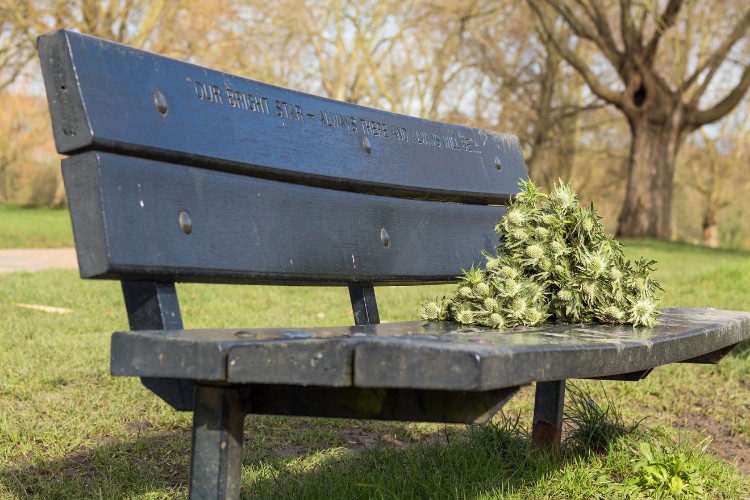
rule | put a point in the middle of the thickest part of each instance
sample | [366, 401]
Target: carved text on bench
[256, 103]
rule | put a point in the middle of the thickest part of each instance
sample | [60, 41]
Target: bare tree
[656, 62]
[718, 170]
[165, 26]
[338, 49]
[16, 46]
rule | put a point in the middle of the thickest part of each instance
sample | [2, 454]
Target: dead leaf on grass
[47, 309]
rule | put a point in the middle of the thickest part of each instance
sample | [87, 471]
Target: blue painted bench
[178, 173]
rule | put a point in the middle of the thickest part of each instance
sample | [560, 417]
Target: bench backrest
[181, 173]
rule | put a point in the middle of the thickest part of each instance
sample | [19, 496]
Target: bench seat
[426, 355]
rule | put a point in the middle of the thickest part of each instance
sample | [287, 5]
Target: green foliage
[553, 261]
[665, 473]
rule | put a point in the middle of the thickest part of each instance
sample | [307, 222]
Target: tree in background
[336, 48]
[657, 63]
[16, 46]
[172, 27]
[718, 170]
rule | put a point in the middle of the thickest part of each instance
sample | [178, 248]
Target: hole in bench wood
[384, 237]
[160, 102]
[186, 223]
[498, 163]
[367, 145]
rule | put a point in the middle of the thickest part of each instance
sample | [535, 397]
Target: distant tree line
[613, 95]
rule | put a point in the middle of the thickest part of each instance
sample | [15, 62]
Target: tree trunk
[711, 226]
[647, 211]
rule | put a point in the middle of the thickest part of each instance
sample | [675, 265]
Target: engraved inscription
[371, 127]
[336, 120]
[209, 93]
[247, 102]
[290, 111]
[451, 139]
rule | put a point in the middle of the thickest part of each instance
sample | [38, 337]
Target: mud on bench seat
[177, 173]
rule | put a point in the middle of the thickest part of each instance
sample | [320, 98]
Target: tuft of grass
[34, 227]
[593, 427]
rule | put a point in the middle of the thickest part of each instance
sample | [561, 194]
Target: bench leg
[548, 415]
[216, 460]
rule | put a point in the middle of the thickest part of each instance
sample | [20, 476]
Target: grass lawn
[34, 227]
[69, 430]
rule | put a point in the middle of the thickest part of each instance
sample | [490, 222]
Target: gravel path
[36, 259]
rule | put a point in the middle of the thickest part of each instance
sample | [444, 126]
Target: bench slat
[255, 230]
[434, 356]
[249, 230]
[108, 97]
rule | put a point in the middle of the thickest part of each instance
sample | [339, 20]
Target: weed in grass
[593, 427]
[666, 472]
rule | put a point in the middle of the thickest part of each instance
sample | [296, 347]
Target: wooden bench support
[154, 306]
[376, 403]
[364, 306]
[548, 415]
[712, 357]
[216, 460]
[626, 377]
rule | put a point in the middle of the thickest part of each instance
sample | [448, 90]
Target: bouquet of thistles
[553, 263]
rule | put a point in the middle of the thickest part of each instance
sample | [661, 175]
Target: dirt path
[36, 259]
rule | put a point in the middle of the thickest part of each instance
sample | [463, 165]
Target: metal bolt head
[384, 238]
[367, 145]
[498, 163]
[186, 223]
[160, 102]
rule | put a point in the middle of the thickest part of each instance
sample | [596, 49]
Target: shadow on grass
[153, 466]
[493, 458]
[479, 460]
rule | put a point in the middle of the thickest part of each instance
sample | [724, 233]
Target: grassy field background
[34, 227]
[69, 430]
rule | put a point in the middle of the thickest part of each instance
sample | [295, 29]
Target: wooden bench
[179, 173]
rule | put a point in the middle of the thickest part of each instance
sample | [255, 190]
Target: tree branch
[602, 26]
[627, 28]
[665, 21]
[602, 37]
[718, 56]
[724, 106]
[572, 58]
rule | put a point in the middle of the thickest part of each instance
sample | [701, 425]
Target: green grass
[69, 430]
[34, 227]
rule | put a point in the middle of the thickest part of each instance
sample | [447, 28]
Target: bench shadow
[158, 466]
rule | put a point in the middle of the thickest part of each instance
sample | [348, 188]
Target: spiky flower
[465, 316]
[643, 312]
[534, 252]
[435, 310]
[564, 197]
[565, 295]
[483, 289]
[515, 218]
[491, 304]
[553, 260]
[496, 320]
